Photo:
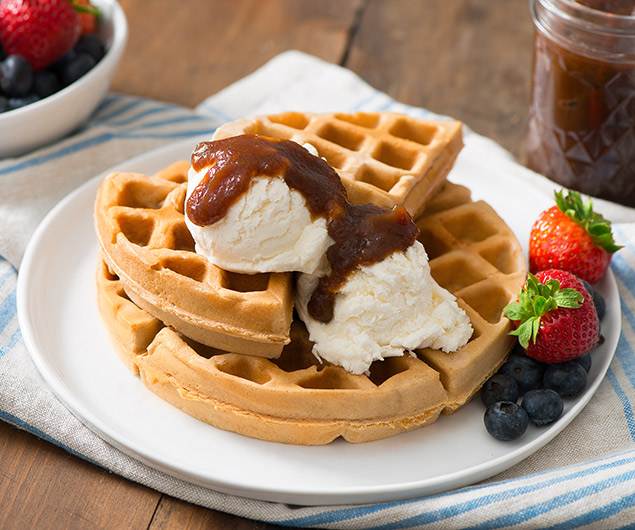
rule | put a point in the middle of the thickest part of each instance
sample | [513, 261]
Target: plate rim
[336, 495]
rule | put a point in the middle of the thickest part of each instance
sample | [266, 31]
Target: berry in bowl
[57, 60]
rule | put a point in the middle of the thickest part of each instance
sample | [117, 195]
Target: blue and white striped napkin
[584, 478]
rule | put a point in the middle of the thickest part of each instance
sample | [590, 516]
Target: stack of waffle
[225, 348]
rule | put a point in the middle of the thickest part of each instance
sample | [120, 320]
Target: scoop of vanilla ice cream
[382, 310]
[268, 229]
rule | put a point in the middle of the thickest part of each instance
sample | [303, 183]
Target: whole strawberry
[555, 318]
[572, 237]
[41, 31]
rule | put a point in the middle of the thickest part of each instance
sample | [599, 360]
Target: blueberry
[600, 304]
[4, 104]
[543, 406]
[587, 286]
[16, 103]
[76, 68]
[526, 371]
[598, 299]
[60, 65]
[91, 44]
[568, 379]
[584, 361]
[506, 421]
[499, 387]
[16, 76]
[45, 83]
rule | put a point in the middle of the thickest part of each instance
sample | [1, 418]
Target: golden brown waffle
[382, 157]
[291, 399]
[475, 256]
[131, 328]
[145, 242]
[295, 399]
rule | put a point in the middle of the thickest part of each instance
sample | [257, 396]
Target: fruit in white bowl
[50, 85]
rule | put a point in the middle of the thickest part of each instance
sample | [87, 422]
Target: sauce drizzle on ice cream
[367, 234]
[362, 234]
[232, 163]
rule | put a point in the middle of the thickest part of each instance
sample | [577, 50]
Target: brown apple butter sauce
[362, 234]
[616, 7]
[367, 234]
[233, 162]
[581, 130]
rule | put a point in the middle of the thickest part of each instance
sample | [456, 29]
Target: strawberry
[87, 14]
[572, 237]
[555, 318]
[39, 30]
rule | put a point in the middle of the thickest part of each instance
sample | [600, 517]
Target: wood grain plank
[468, 59]
[42, 486]
[184, 54]
[174, 514]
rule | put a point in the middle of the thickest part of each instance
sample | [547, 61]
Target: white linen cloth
[584, 478]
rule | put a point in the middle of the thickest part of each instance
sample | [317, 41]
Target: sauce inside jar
[582, 114]
[616, 7]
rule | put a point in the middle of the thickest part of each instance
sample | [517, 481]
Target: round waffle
[294, 398]
[143, 237]
[382, 157]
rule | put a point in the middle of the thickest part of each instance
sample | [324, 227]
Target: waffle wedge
[382, 157]
[145, 242]
[295, 399]
[475, 256]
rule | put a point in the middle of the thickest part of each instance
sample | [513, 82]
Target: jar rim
[584, 20]
[590, 17]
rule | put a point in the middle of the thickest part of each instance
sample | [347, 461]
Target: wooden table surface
[469, 59]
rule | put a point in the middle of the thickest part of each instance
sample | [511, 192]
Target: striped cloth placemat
[584, 478]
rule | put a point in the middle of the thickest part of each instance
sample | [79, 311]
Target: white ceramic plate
[63, 331]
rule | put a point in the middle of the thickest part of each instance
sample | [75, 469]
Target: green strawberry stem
[536, 300]
[80, 8]
[582, 214]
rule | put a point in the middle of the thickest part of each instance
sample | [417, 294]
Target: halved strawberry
[572, 237]
[555, 318]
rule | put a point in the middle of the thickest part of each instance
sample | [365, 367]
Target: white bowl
[35, 125]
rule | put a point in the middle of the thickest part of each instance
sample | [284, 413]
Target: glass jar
[581, 130]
